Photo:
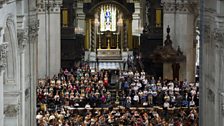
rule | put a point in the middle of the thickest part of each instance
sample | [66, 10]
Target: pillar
[130, 44]
[22, 35]
[1, 100]
[138, 18]
[87, 33]
[49, 45]
[212, 47]
[80, 15]
[32, 58]
[3, 61]
[180, 18]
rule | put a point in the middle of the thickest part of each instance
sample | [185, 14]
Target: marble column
[130, 43]
[80, 16]
[22, 35]
[1, 99]
[138, 18]
[211, 85]
[49, 39]
[180, 17]
[30, 92]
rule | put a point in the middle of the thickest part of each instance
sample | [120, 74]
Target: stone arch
[126, 12]
[11, 74]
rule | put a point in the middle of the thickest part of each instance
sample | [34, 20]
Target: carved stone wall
[80, 15]
[11, 110]
[180, 6]
[212, 97]
[22, 36]
[181, 15]
[3, 56]
[53, 6]
[18, 32]
[49, 38]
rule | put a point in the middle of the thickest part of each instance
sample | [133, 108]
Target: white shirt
[140, 93]
[171, 88]
[135, 88]
[192, 103]
[87, 106]
[145, 81]
[176, 89]
[129, 99]
[139, 84]
[197, 84]
[136, 98]
[130, 73]
[165, 88]
[166, 104]
[193, 92]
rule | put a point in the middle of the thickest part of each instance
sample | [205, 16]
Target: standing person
[176, 69]
[136, 99]
[128, 102]
[105, 81]
[166, 105]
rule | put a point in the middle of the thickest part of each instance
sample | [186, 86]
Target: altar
[109, 54]
[108, 61]
[108, 39]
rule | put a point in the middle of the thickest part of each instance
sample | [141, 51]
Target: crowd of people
[138, 90]
[81, 97]
[117, 117]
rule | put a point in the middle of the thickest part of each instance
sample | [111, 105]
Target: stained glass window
[108, 18]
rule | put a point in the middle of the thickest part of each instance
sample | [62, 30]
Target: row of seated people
[137, 89]
[117, 117]
[133, 93]
[74, 89]
[82, 88]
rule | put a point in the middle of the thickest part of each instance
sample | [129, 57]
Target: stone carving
[218, 36]
[207, 34]
[27, 93]
[10, 21]
[51, 5]
[1, 3]
[179, 6]
[0, 31]
[22, 35]
[211, 96]
[3, 55]
[11, 110]
[33, 29]
[167, 53]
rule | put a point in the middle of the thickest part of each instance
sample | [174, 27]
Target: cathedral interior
[111, 62]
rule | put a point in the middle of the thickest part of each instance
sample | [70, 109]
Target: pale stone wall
[49, 44]
[212, 89]
[42, 44]
[136, 20]
[180, 17]
[17, 67]
[80, 16]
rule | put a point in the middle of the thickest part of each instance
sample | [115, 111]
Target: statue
[108, 19]
[176, 69]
